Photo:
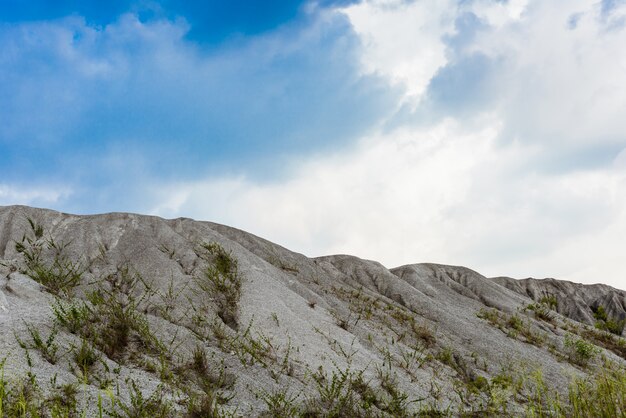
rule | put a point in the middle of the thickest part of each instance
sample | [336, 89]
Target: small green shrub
[516, 323]
[580, 351]
[199, 362]
[491, 315]
[541, 311]
[396, 402]
[59, 277]
[206, 405]
[606, 323]
[252, 349]
[342, 393]
[446, 356]
[20, 397]
[600, 313]
[423, 334]
[604, 339]
[550, 301]
[614, 326]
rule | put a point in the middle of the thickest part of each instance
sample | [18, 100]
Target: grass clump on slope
[221, 280]
[46, 261]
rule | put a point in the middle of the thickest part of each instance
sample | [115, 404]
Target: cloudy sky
[484, 133]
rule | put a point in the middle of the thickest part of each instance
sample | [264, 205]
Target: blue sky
[183, 89]
[484, 133]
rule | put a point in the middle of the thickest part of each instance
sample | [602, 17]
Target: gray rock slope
[197, 318]
[574, 300]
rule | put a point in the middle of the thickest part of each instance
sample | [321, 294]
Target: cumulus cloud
[403, 40]
[557, 84]
[523, 175]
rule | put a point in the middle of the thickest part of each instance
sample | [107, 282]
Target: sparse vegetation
[85, 357]
[112, 319]
[205, 405]
[580, 351]
[281, 404]
[222, 282]
[602, 338]
[63, 400]
[109, 332]
[550, 301]
[541, 312]
[512, 325]
[60, 275]
[335, 395]
[47, 347]
[602, 395]
[606, 323]
[140, 406]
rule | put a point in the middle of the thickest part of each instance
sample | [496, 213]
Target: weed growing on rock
[46, 261]
[222, 282]
[491, 315]
[395, 402]
[604, 339]
[550, 301]
[280, 404]
[335, 395]
[512, 325]
[20, 398]
[112, 319]
[140, 406]
[85, 357]
[73, 315]
[62, 401]
[541, 312]
[47, 347]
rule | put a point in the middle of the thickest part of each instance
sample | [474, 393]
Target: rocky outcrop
[573, 300]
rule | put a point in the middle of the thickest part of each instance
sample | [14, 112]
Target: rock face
[194, 318]
[574, 300]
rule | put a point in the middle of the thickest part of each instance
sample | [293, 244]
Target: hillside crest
[188, 318]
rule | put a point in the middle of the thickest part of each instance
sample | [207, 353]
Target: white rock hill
[188, 316]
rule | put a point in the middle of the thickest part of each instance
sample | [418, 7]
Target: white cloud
[403, 40]
[558, 83]
[452, 190]
[32, 195]
[441, 195]
[498, 13]
[351, 203]
[555, 82]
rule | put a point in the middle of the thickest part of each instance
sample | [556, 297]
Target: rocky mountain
[127, 315]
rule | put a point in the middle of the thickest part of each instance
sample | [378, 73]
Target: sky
[490, 134]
